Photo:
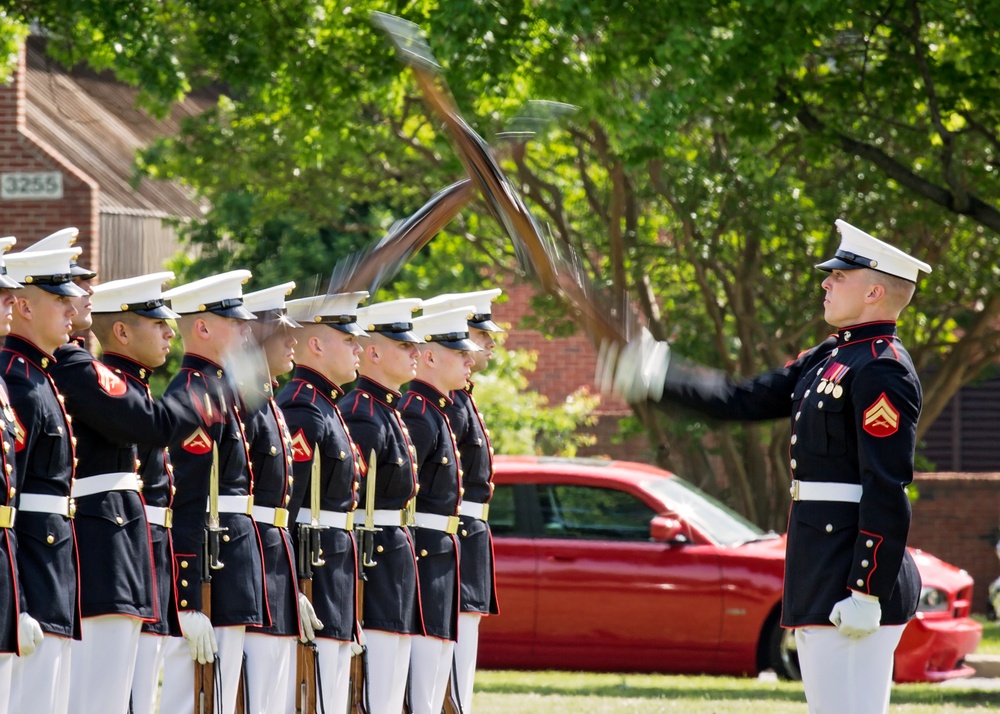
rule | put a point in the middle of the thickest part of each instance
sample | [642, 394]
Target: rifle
[366, 538]
[309, 557]
[204, 674]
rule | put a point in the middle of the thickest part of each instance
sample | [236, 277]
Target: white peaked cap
[394, 319]
[221, 294]
[61, 240]
[142, 295]
[339, 310]
[46, 269]
[269, 304]
[6, 243]
[449, 328]
[272, 298]
[859, 250]
[481, 301]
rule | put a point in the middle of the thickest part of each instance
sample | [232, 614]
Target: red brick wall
[957, 518]
[21, 150]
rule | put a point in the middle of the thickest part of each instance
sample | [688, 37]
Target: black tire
[782, 656]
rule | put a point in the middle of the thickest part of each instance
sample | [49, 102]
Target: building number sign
[37, 185]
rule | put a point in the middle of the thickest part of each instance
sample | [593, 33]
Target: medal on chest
[833, 375]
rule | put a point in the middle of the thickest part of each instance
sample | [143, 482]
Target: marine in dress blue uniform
[477, 563]
[20, 633]
[391, 607]
[854, 401]
[123, 588]
[46, 543]
[270, 651]
[445, 365]
[214, 327]
[326, 357]
[116, 570]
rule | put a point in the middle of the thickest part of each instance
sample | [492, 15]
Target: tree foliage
[714, 146]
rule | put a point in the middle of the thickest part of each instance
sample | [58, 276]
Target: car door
[507, 640]
[609, 598]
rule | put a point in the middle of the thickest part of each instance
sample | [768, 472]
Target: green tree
[714, 145]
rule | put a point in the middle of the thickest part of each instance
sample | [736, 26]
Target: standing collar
[379, 392]
[320, 383]
[16, 343]
[865, 331]
[429, 393]
[127, 365]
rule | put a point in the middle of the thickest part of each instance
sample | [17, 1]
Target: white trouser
[335, 673]
[270, 669]
[430, 667]
[841, 674]
[388, 663]
[466, 650]
[103, 664]
[146, 680]
[177, 696]
[41, 680]
[6, 671]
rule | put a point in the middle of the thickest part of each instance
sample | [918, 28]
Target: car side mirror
[665, 529]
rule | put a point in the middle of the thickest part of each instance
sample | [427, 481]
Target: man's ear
[875, 292]
[315, 345]
[201, 328]
[23, 307]
[120, 331]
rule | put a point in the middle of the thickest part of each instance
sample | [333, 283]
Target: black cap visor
[56, 284]
[398, 331]
[8, 282]
[485, 322]
[78, 271]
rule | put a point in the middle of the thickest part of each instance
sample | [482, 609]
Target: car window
[502, 513]
[713, 518]
[592, 513]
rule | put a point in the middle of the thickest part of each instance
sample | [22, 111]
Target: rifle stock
[204, 674]
[305, 679]
[357, 705]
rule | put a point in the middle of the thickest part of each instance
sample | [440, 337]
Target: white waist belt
[159, 516]
[42, 503]
[272, 516]
[331, 519]
[234, 504]
[104, 482]
[384, 517]
[474, 509]
[445, 524]
[825, 491]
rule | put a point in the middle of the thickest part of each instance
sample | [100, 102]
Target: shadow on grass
[916, 694]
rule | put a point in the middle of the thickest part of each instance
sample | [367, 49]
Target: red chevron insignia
[109, 381]
[301, 448]
[881, 418]
[198, 443]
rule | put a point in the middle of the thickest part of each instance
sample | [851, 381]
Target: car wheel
[783, 656]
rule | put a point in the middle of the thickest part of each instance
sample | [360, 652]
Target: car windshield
[711, 517]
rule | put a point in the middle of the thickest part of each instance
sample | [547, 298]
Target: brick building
[68, 140]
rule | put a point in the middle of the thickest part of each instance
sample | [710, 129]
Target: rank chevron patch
[199, 442]
[109, 381]
[301, 448]
[881, 418]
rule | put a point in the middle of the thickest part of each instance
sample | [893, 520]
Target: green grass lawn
[990, 643]
[504, 692]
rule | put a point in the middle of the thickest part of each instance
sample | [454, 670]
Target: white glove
[307, 615]
[635, 371]
[857, 616]
[200, 635]
[29, 634]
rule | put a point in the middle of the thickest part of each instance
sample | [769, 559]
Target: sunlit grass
[990, 643]
[587, 693]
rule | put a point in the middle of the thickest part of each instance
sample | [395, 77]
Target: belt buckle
[452, 527]
[349, 521]
[71, 510]
[168, 517]
[281, 517]
[793, 489]
[7, 514]
[486, 512]
[250, 505]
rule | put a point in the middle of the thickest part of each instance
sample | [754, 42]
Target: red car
[619, 566]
